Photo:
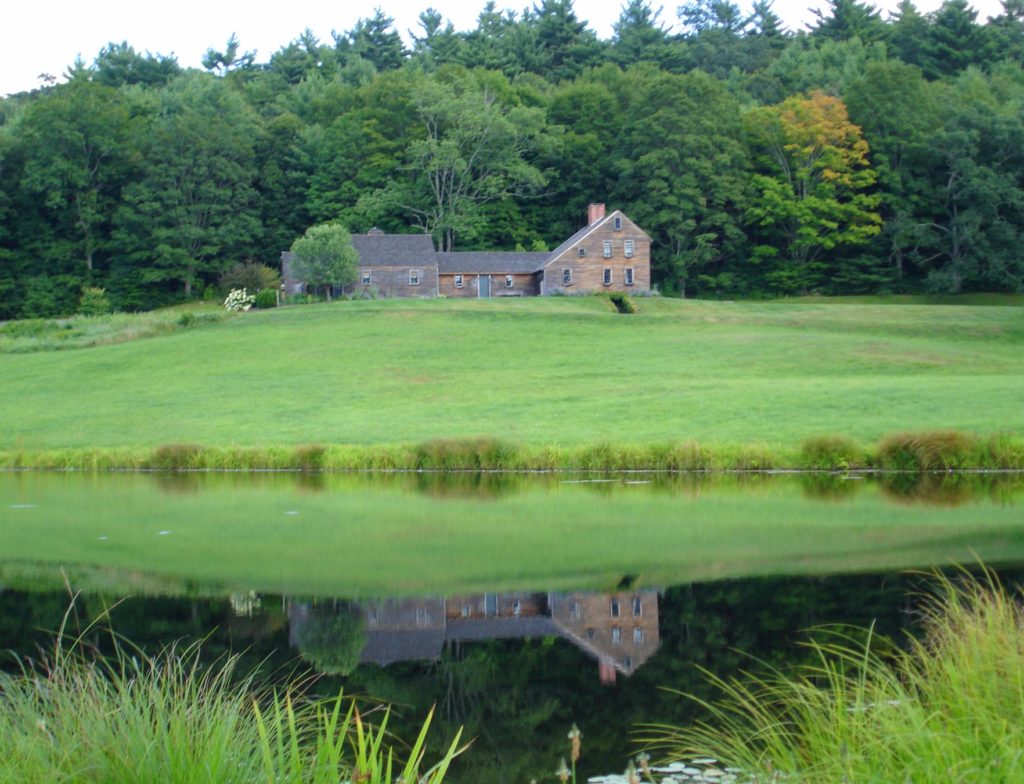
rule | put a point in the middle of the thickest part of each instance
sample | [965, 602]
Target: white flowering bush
[239, 300]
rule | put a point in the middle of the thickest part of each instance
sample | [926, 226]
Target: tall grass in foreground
[947, 709]
[171, 719]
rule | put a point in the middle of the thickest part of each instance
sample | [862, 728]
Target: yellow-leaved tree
[812, 185]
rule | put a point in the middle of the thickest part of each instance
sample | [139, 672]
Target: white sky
[46, 38]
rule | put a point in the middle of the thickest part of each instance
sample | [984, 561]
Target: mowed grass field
[549, 371]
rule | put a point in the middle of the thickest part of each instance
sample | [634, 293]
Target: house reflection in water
[619, 630]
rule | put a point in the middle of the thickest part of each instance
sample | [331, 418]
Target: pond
[518, 604]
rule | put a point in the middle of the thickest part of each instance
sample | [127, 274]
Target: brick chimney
[606, 669]
[594, 213]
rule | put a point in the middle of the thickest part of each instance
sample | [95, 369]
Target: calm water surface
[516, 604]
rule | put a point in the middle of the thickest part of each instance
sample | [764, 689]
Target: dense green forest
[867, 155]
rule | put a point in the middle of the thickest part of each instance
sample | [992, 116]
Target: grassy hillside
[535, 371]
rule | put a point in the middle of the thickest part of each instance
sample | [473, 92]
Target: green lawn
[554, 371]
[354, 535]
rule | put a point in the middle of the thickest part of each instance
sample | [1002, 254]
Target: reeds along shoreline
[173, 717]
[944, 707]
[941, 450]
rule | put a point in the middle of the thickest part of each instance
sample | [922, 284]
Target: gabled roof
[387, 647]
[575, 239]
[500, 628]
[579, 236]
[500, 262]
[384, 250]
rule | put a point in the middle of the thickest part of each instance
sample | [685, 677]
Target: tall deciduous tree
[324, 257]
[812, 185]
[192, 212]
[684, 176]
[76, 142]
[977, 198]
[896, 108]
[474, 151]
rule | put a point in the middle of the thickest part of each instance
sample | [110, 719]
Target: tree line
[865, 155]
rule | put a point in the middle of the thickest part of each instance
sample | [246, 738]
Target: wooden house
[610, 253]
[619, 630]
[390, 265]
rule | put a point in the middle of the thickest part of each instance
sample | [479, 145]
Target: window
[590, 633]
[575, 612]
[629, 276]
[617, 223]
[421, 616]
[628, 246]
[607, 246]
[373, 617]
[458, 281]
[366, 278]
[465, 611]
[567, 277]
[628, 662]
[517, 608]
[638, 635]
[615, 608]
[509, 281]
[582, 252]
[607, 276]
[638, 606]
[414, 277]
[616, 635]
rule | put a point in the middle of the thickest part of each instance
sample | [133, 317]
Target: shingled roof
[466, 629]
[491, 262]
[387, 647]
[576, 238]
[389, 250]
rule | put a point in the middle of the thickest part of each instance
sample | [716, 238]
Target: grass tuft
[310, 457]
[831, 452]
[176, 457]
[463, 454]
[946, 708]
[935, 450]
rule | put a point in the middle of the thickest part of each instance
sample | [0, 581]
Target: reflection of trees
[331, 639]
[518, 697]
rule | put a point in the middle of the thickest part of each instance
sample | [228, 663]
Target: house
[618, 630]
[610, 253]
[393, 265]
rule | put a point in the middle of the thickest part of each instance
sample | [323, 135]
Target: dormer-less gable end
[610, 254]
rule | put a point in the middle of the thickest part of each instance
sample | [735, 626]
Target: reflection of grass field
[346, 535]
[537, 371]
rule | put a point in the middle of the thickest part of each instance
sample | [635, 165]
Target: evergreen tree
[564, 44]
[954, 41]
[846, 19]
[639, 36]
[376, 40]
[120, 64]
